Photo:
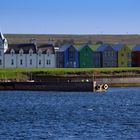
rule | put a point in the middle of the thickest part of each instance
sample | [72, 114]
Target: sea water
[35, 115]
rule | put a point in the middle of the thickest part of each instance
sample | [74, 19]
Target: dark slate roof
[65, 47]
[46, 47]
[137, 48]
[117, 47]
[26, 47]
[101, 48]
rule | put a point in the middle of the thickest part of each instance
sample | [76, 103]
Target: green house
[85, 56]
[123, 55]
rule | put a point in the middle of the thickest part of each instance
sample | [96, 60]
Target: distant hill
[78, 39]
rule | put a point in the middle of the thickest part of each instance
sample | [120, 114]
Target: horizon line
[71, 34]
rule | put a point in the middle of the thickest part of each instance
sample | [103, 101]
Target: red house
[136, 56]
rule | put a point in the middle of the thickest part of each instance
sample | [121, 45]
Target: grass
[19, 72]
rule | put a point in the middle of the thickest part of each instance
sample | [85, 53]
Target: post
[94, 85]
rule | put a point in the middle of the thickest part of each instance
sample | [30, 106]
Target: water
[114, 115]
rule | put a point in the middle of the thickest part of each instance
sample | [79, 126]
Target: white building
[27, 55]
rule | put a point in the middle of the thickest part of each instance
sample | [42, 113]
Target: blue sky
[70, 16]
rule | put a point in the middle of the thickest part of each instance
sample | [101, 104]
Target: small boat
[99, 87]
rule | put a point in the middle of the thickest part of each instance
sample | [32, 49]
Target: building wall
[124, 57]
[71, 58]
[96, 59]
[21, 61]
[136, 58]
[40, 60]
[14, 61]
[31, 61]
[10, 61]
[86, 57]
[109, 57]
[1, 53]
[1, 57]
[50, 61]
[60, 59]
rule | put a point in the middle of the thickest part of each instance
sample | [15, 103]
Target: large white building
[27, 55]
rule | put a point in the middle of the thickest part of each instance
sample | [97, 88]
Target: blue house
[108, 55]
[67, 57]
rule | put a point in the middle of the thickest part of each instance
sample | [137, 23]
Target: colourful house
[136, 56]
[67, 57]
[85, 56]
[123, 55]
[108, 56]
[96, 56]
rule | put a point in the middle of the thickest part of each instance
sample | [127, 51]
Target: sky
[70, 16]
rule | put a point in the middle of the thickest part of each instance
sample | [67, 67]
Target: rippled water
[70, 116]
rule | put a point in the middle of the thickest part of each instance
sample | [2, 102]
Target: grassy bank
[14, 73]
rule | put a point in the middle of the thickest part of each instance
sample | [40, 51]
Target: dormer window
[30, 52]
[12, 52]
[39, 52]
[21, 52]
[48, 52]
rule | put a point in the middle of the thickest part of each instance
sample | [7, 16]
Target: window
[39, 62]
[0, 53]
[48, 53]
[30, 53]
[112, 53]
[129, 55]
[39, 52]
[30, 61]
[21, 52]
[21, 62]
[12, 62]
[129, 64]
[48, 62]
[71, 54]
[12, 52]
[122, 54]
[109, 53]
[0, 62]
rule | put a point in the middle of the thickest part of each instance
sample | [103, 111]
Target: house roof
[117, 47]
[46, 47]
[82, 46]
[101, 48]
[137, 48]
[94, 47]
[25, 47]
[65, 47]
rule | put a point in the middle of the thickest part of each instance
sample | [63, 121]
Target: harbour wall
[119, 80]
[48, 86]
[77, 85]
